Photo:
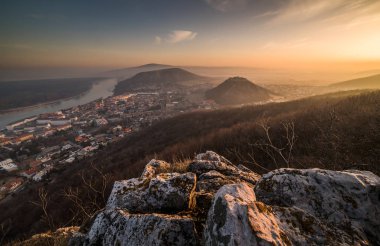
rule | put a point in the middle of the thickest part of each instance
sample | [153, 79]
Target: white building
[53, 122]
[38, 176]
[12, 126]
[8, 165]
[101, 122]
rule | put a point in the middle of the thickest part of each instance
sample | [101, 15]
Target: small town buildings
[101, 122]
[8, 165]
[12, 126]
[63, 127]
[39, 175]
[10, 185]
[23, 138]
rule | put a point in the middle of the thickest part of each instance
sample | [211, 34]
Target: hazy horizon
[326, 37]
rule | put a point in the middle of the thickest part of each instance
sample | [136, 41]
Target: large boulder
[211, 161]
[236, 218]
[118, 227]
[349, 200]
[155, 167]
[166, 192]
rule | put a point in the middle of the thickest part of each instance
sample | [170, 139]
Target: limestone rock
[227, 221]
[210, 161]
[154, 167]
[226, 204]
[167, 192]
[348, 199]
[118, 227]
[236, 218]
[212, 181]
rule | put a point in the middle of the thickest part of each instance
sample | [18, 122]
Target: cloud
[227, 5]
[305, 10]
[157, 40]
[177, 36]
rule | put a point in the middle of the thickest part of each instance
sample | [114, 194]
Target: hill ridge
[158, 79]
[370, 82]
[238, 90]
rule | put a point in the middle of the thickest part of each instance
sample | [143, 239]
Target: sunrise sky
[325, 34]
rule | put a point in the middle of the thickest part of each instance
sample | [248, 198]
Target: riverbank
[5, 111]
[100, 89]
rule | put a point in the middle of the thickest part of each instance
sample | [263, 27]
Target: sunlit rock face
[211, 161]
[237, 218]
[165, 193]
[215, 202]
[118, 227]
[348, 200]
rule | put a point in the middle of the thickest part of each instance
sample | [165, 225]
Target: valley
[176, 138]
[172, 113]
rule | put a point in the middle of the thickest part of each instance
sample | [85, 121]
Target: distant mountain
[130, 71]
[160, 79]
[371, 82]
[238, 90]
[154, 66]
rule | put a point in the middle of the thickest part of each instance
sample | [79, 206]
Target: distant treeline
[337, 131]
[15, 94]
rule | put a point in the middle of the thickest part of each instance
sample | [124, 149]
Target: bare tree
[5, 228]
[43, 204]
[329, 136]
[235, 151]
[276, 153]
[90, 199]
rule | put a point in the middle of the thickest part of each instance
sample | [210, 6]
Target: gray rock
[167, 192]
[155, 167]
[77, 239]
[118, 227]
[211, 161]
[212, 181]
[231, 205]
[348, 200]
[236, 218]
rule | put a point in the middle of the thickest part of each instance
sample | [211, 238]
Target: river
[100, 89]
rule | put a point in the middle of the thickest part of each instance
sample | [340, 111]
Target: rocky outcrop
[167, 192]
[349, 200]
[217, 203]
[237, 218]
[211, 161]
[154, 167]
[118, 227]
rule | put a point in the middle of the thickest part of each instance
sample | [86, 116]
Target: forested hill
[238, 90]
[160, 79]
[371, 82]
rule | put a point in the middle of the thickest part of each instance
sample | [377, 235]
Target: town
[31, 148]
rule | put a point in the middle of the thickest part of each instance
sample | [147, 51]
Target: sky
[297, 34]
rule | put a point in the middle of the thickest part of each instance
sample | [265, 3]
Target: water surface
[100, 89]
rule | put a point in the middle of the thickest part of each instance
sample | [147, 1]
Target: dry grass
[178, 166]
[181, 166]
[58, 238]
